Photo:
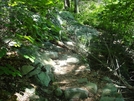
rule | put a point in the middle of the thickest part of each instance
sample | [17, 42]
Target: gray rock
[26, 69]
[107, 99]
[109, 93]
[109, 89]
[43, 59]
[76, 93]
[92, 87]
[82, 80]
[73, 59]
[35, 72]
[51, 54]
[66, 16]
[43, 78]
[111, 99]
[49, 47]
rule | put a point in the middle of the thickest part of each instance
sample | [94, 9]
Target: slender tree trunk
[67, 4]
[76, 6]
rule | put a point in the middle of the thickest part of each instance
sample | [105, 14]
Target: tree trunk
[66, 4]
[76, 7]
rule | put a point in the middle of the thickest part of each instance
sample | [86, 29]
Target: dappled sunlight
[29, 93]
[65, 64]
[48, 53]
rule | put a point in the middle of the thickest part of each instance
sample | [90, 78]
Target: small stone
[82, 80]
[92, 87]
[76, 93]
[51, 54]
[109, 89]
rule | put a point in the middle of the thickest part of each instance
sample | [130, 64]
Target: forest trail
[72, 72]
[73, 79]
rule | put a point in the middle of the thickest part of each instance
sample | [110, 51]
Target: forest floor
[67, 75]
[70, 72]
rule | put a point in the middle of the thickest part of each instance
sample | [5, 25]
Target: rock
[49, 47]
[34, 72]
[111, 99]
[26, 69]
[67, 16]
[82, 80]
[109, 93]
[58, 92]
[51, 54]
[76, 93]
[107, 99]
[91, 87]
[109, 89]
[72, 59]
[43, 79]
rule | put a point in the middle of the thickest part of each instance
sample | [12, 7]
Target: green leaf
[31, 58]
[29, 38]
[1, 72]
[3, 52]
[5, 70]
[9, 70]
[49, 2]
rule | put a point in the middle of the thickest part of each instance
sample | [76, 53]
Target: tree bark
[76, 6]
[67, 4]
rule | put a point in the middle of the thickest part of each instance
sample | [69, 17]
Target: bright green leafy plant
[9, 70]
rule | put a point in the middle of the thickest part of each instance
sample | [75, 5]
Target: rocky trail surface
[57, 72]
[60, 74]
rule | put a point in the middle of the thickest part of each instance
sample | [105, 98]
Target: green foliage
[29, 20]
[25, 22]
[88, 13]
[30, 57]
[3, 52]
[115, 20]
[112, 16]
[118, 17]
[9, 70]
